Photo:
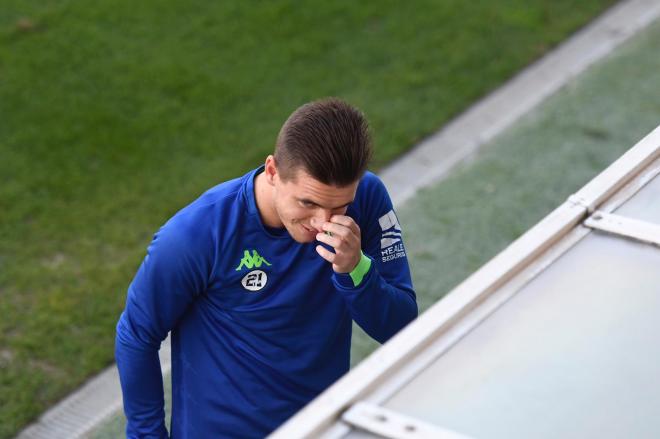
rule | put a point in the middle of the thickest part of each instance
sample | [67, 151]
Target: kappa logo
[255, 279]
[391, 246]
[250, 261]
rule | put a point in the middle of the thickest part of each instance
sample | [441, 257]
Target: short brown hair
[329, 139]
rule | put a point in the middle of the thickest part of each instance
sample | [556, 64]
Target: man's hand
[344, 237]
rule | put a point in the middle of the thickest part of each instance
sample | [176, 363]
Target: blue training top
[260, 323]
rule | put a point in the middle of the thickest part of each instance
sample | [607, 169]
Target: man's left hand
[345, 238]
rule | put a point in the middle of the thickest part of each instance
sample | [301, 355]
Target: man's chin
[302, 235]
[300, 240]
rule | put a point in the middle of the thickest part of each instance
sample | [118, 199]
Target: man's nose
[320, 217]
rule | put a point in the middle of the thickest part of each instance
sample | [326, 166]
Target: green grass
[115, 114]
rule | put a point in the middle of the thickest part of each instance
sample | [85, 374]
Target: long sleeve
[172, 274]
[384, 301]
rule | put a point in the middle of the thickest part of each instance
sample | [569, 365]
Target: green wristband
[360, 270]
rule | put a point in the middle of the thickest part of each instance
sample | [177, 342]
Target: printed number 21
[253, 280]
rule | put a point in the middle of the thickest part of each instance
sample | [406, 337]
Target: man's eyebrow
[306, 200]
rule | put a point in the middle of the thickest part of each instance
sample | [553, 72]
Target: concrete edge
[461, 138]
[98, 399]
[88, 407]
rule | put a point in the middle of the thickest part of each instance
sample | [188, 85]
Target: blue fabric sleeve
[174, 271]
[384, 302]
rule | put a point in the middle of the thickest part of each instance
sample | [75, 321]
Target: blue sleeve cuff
[354, 278]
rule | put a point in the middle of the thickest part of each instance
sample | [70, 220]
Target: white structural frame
[474, 299]
[393, 425]
[623, 226]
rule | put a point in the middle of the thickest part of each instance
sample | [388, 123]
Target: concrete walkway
[428, 163]
[432, 159]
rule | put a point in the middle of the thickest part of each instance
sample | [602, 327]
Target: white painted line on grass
[100, 397]
[460, 139]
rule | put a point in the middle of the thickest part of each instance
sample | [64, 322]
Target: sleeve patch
[391, 246]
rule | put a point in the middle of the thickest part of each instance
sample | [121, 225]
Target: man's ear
[270, 170]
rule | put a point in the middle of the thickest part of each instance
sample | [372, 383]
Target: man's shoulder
[371, 183]
[215, 206]
[222, 193]
[371, 188]
[371, 201]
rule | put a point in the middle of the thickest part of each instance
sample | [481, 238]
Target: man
[259, 279]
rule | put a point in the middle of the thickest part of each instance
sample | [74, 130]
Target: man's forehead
[302, 176]
[309, 188]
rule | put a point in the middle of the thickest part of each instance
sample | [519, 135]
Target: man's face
[304, 203]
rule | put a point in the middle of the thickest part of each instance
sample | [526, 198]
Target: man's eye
[306, 204]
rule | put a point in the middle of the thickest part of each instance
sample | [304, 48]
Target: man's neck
[263, 196]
